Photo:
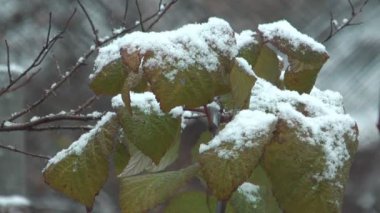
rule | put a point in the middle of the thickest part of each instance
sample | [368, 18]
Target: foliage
[264, 153]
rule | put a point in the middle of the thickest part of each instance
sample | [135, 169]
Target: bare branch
[86, 104]
[41, 55]
[347, 22]
[161, 13]
[8, 63]
[58, 127]
[13, 149]
[126, 10]
[8, 126]
[49, 30]
[141, 21]
[94, 30]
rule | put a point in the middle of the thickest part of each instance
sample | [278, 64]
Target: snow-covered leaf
[143, 192]
[305, 56]
[255, 195]
[148, 128]
[230, 157]
[81, 170]
[184, 67]
[310, 154]
[110, 80]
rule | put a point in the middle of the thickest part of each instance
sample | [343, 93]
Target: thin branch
[94, 30]
[161, 13]
[49, 30]
[141, 21]
[348, 22]
[126, 10]
[58, 127]
[25, 82]
[8, 63]
[158, 15]
[13, 149]
[7, 127]
[86, 104]
[41, 55]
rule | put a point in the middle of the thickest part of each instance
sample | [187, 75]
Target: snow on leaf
[81, 170]
[239, 133]
[312, 147]
[190, 44]
[282, 29]
[230, 157]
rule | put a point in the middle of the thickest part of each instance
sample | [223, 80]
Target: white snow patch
[250, 192]
[77, 146]
[324, 125]
[14, 200]
[241, 132]
[146, 102]
[245, 38]
[282, 29]
[117, 102]
[246, 66]
[190, 45]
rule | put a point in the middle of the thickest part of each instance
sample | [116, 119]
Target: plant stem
[221, 206]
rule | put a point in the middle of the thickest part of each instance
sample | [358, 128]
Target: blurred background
[353, 70]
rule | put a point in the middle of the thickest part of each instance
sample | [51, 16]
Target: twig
[46, 119]
[94, 30]
[347, 23]
[126, 10]
[49, 30]
[58, 127]
[41, 55]
[86, 104]
[141, 22]
[8, 63]
[161, 13]
[13, 149]
[25, 82]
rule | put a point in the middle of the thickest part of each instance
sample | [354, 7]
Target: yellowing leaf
[261, 200]
[241, 85]
[143, 192]
[295, 167]
[267, 65]
[80, 171]
[110, 80]
[230, 157]
[121, 157]
[190, 88]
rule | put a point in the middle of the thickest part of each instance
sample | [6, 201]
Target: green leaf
[267, 65]
[110, 80]
[264, 200]
[194, 201]
[295, 166]
[305, 56]
[241, 85]
[301, 76]
[141, 163]
[228, 161]
[143, 192]
[121, 157]
[191, 88]
[80, 171]
[152, 133]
